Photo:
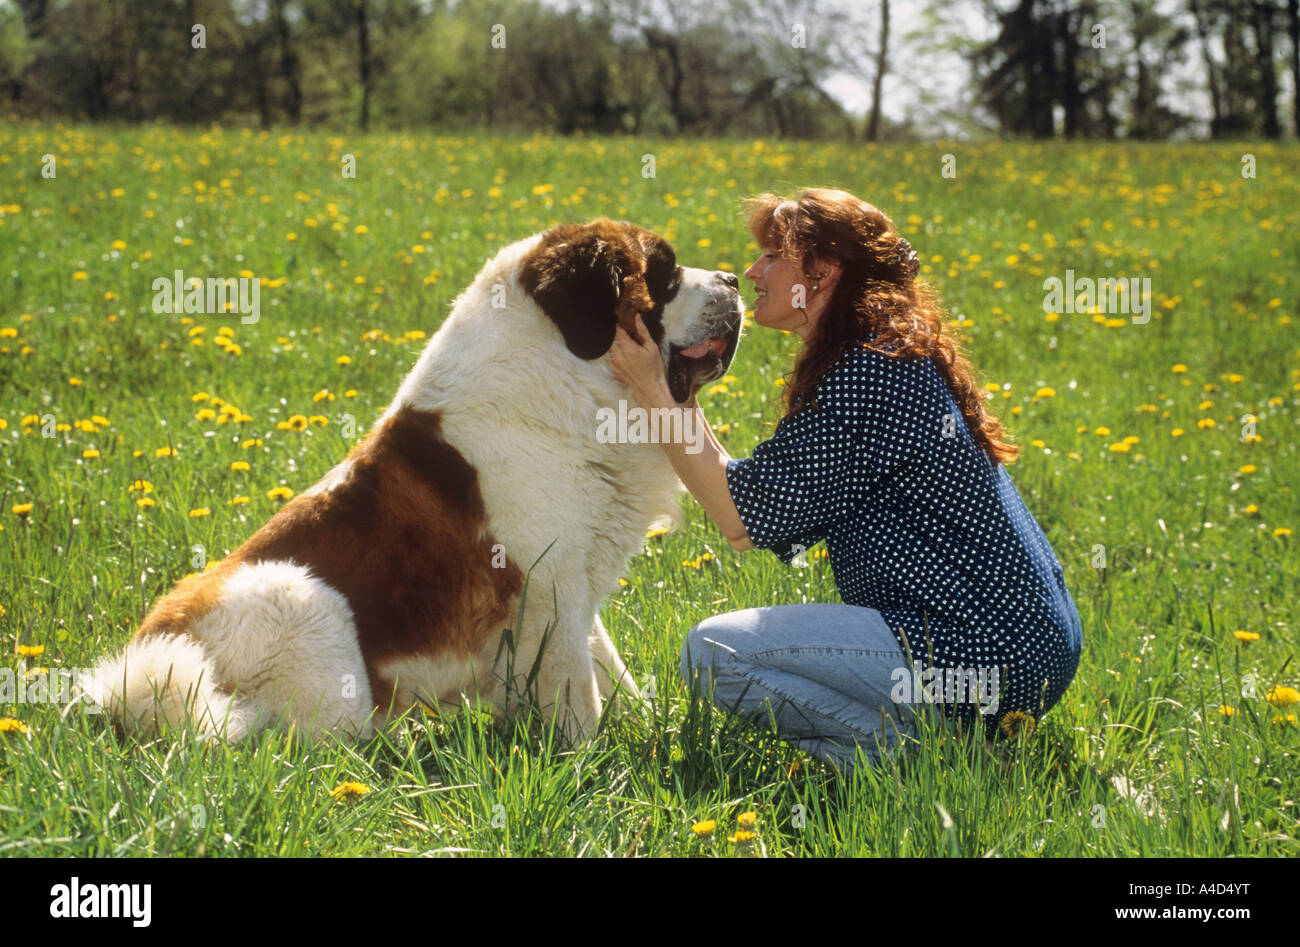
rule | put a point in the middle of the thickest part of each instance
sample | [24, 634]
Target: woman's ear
[829, 272]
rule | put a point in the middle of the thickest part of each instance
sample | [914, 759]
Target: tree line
[1034, 68]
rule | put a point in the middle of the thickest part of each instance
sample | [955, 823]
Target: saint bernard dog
[480, 519]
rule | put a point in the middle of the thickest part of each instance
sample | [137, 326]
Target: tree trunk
[289, 64]
[1293, 28]
[873, 126]
[1071, 93]
[1261, 21]
[253, 50]
[1211, 73]
[363, 51]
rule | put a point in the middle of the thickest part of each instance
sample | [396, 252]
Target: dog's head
[588, 278]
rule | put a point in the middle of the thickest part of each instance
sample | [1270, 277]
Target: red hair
[876, 298]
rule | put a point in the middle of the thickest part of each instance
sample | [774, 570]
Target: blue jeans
[825, 670]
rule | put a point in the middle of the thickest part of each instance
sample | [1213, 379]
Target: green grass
[1137, 759]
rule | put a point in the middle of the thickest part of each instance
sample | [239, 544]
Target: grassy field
[137, 446]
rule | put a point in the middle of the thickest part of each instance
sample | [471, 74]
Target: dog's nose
[731, 279]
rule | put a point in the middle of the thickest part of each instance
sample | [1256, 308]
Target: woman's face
[785, 297]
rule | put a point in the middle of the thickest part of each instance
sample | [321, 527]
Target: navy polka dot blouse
[920, 524]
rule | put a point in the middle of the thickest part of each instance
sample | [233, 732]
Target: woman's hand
[640, 366]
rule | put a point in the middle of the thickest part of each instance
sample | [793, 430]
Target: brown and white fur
[392, 579]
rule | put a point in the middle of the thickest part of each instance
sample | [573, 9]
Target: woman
[886, 452]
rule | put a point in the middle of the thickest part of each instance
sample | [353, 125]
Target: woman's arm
[704, 473]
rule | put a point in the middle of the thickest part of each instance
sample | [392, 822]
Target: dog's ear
[588, 278]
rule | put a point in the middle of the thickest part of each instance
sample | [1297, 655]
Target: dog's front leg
[612, 675]
[567, 687]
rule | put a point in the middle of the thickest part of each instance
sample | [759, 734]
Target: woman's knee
[715, 641]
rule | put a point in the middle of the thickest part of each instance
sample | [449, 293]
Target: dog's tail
[166, 681]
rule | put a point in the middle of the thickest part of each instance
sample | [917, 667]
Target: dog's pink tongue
[716, 346]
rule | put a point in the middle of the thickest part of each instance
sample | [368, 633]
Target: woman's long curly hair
[878, 298]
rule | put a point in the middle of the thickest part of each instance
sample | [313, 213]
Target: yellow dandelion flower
[747, 818]
[1120, 448]
[238, 501]
[1246, 635]
[361, 229]
[322, 395]
[704, 828]
[90, 453]
[1103, 431]
[741, 836]
[1045, 393]
[205, 414]
[201, 511]
[343, 360]
[1246, 469]
[22, 509]
[165, 452]
[29, 650]
[144, 486]
[657, 531]
[10, 725]
[1016, 723]
[1282, 531]
[240, 465]
[1227, 711]
[1281, 719]
[75, 382]
[319, 420]
[1179, 369]
[279, 493]
[144, 502]
[1280, 696]
[1177, 432]
[350, 393]
[80, 275]
[347, 790]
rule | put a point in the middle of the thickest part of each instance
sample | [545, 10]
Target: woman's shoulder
[874, 365]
